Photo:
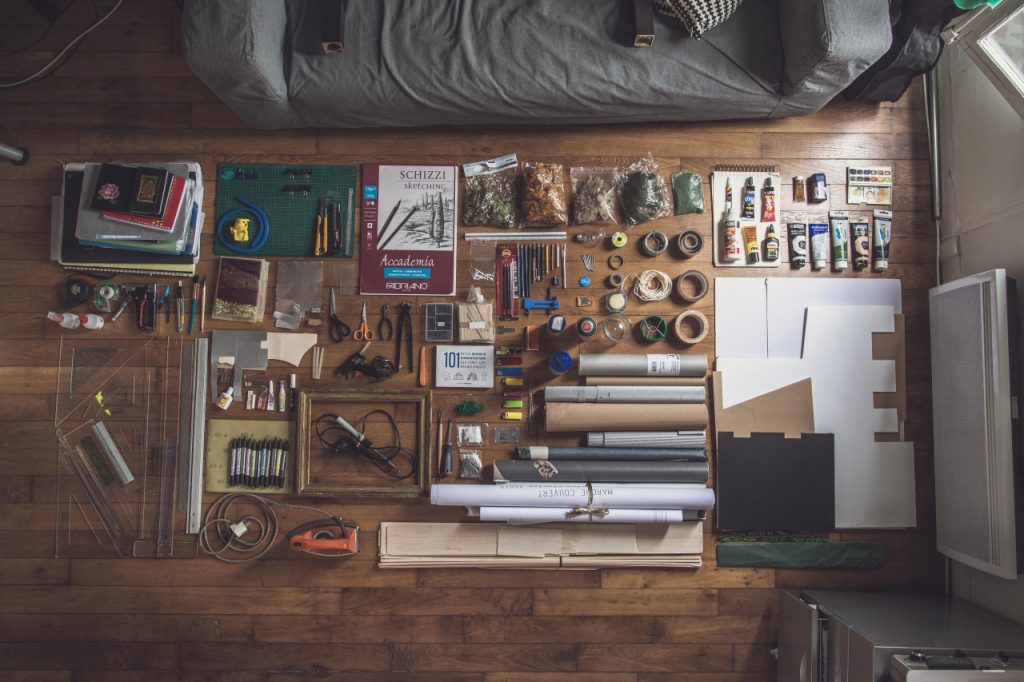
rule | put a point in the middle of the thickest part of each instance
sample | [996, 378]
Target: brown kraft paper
[624, 416]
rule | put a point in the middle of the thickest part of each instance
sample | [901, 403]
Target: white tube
[560, 515]
[610, 495]
[653, 439]
[625, 394]
[637, 364]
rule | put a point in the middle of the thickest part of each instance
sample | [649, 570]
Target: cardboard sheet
[893, 347]
[874, 481]
[218, 458]
[788, 410]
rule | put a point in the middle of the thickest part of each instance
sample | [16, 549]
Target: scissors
[385, 330]
[363, 333]
[339, 330]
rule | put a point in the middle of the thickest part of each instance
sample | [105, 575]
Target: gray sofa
[427, 62]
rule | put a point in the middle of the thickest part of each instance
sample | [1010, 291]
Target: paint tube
[797, 244]
[882, 235]
[767, 202]
[839, 225]
[771, 245]
[753, 246]
[861, 234]
[819, 244]
[733, 247]
[749, 199]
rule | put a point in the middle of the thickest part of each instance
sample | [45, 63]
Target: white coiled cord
[651, 285]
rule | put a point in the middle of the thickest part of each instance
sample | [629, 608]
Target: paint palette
[869, 185]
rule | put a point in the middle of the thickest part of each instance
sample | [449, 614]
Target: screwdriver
[446, 454]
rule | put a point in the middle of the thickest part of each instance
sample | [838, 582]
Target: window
[994, 39]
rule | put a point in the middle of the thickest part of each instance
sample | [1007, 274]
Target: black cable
[334, 438]
[46, 32]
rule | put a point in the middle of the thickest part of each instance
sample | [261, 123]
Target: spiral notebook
[738, 176]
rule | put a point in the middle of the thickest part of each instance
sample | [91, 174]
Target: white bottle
[91, 321]
[66, 320]
[225, 399]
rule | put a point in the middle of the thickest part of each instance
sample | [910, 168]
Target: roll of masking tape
[615, 261]
[690, 243]
[694, 279]
[619, 239]
[691, 319]
[615, 280]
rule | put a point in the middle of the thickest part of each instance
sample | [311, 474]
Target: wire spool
[653, 328]
[690, 243]
[619, 239]
[654, 243]
[691, 327]
[699, 285]
[617, 328]
[616, 301]
[615, 280]
[652, 285]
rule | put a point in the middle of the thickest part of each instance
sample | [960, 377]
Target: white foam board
[741, 323]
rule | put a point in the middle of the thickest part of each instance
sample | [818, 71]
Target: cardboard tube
[633, 453]
[566, 515]
[641, 365]
[626, 416]
[643, 381]
[600, 472]
[647, 439]
[625, 394]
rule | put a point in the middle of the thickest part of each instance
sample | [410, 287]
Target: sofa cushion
[698, 16]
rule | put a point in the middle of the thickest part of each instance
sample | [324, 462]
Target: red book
[164, 223]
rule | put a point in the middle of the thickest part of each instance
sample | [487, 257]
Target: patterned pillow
[698, 16]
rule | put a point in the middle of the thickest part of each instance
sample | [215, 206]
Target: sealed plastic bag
[689, 190]
[593, 195]
[643, 193]
[491, 192]
[544, 203]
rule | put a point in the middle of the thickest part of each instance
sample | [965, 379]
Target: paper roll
[562, 515]
[601, 472]
[647, 439]
[633, 416]
[643, 381]
[636, 454]
[641, 365]
[625, 394]
[619, 496]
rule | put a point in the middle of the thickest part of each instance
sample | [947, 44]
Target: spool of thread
[615, 302]
[559, 363]
[690, 243]
[617, 328]
[556, 325]
[685, 320]
[619, 239]
[654, 243]
[586, 328]
[699, 282]
[653, 328]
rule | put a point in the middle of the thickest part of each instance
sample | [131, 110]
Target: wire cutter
[385, 330]
[404, 329]
[339, 330]
[363, 332]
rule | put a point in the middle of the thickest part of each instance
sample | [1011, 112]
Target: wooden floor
[127, 94]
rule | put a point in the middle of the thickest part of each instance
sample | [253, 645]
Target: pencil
[202, 305]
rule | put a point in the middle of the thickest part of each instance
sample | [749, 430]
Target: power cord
[338, 436]
[73, 44]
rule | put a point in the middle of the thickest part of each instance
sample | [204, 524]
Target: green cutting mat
[292, 218]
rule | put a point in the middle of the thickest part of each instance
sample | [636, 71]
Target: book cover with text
[408, 230]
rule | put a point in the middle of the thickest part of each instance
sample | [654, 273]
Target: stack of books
[121, 217]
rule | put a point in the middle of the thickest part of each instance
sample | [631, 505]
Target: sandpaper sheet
[602, 416]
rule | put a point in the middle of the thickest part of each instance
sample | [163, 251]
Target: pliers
[404, 328]
[385, 330]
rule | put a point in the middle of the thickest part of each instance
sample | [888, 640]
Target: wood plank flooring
[127, 94]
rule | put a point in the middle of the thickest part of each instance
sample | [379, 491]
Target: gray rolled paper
[643, 365]
[633, 454]
[647, 439]
[520, 471]
[625, 394]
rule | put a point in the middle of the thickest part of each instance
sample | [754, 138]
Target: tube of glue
[66, 320]
[839, 225]
[882, 235]
[747, 207]
[819, 244]
[797, 244]
[768, 201]
[752, 245]
[733, 250]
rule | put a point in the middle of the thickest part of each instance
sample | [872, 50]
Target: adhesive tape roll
[697, 320]
[615, 261]
[700, 286]
[654, 243]
[619, 239]
[690, 243]
[615, 279]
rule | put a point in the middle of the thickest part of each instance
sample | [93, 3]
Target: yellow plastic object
[240, 230]
[512, 416]
[619, 240]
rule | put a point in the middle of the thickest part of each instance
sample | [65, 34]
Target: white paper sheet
[572, 495]
[558, 514]
[741, 324]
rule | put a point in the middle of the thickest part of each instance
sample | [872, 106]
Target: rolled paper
[638, 454]
[571, 515]
[601, 472]
[647, 439]
[633, 416]
[625, 394]
[608, 495]
[641, 365]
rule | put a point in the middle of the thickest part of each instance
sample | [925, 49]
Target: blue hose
[257, 242]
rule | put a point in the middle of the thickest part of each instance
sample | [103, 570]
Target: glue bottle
[91, 321]
[225, 399]
[66, 320]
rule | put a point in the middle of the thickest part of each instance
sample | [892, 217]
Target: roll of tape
[615, 279]
[700, 286]
[654, 243]
[619, 239]
[615, 261]
[699, 322]
[690, 243]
